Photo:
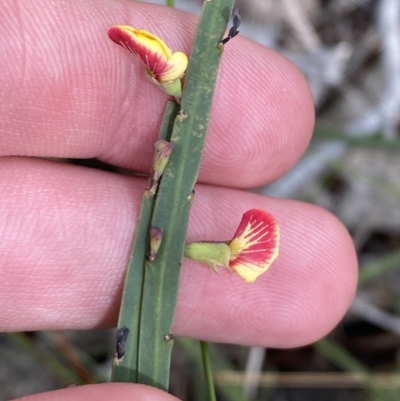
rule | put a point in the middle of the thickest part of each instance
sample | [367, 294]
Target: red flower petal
[161, 64]
[255, 244]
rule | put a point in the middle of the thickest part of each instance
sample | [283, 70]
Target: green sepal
[172, 88]
[213, 254]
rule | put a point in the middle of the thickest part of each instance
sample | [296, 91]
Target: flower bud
[156, 235]
[162, 152]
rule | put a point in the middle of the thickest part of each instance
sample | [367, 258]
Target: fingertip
[76, 94]
[268, 113]
[321, 287]
[106, 392]
[302, 296]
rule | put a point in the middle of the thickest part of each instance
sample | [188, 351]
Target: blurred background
[349, 50]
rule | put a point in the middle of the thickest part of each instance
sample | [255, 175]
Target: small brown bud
[162, 152]
[155, 242]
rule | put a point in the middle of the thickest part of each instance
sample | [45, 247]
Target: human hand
[68, 91]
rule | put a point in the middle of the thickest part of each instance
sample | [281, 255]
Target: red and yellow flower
[250, 253]
[164, 68]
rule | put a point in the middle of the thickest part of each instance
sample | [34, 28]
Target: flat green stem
[171, 3]
[126, 370]
[175, 196]
[205, 354]
[151, 288]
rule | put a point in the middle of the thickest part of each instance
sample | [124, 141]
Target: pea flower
[164, 68]
[250, 253]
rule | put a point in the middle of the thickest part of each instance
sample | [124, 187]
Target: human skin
[68, 91]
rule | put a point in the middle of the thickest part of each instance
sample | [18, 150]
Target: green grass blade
[344, 360]
[174, 198]
[129, 316]
[377, 141]
[205, 354]
[385, 264]
[62, 372]
[219, 363]
[340, 357]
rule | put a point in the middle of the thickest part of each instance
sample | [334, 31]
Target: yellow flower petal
[176, 67]
[255, 244]
[161, 64]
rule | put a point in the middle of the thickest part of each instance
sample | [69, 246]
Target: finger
[68, 91]
[105, 391]
[66, 234]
